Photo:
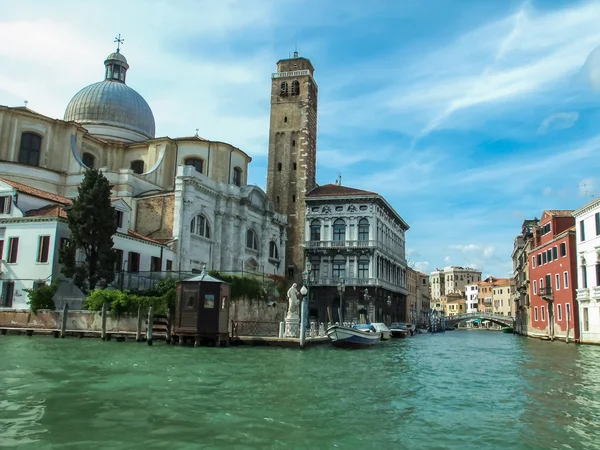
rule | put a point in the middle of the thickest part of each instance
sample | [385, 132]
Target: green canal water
[458, 390]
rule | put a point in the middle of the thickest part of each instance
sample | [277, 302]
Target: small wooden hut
[202, 310]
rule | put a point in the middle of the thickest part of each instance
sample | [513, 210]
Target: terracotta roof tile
[47, 211]
[142, 237]
[35, 192]
[560, 212]
[336, 190]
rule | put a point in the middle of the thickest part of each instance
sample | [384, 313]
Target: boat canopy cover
[380, 327]
[364, 326]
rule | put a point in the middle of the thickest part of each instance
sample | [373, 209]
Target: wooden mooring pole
[150, 325]
[63, 325]
[103, 330]
[169, 321]
[138, 331]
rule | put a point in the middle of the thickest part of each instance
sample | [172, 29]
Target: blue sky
[468, 116]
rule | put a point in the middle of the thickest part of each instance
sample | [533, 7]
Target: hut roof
[205, 278]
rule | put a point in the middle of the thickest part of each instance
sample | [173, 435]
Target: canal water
[457, 390]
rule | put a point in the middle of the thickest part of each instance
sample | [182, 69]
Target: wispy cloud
[558, 121]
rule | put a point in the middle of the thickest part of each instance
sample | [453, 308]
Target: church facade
[183, 202]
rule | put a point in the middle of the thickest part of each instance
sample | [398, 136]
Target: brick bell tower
[293, 151]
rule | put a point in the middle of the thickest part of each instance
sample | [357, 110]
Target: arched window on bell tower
[283, 91]
[295, 87]
[116, 67]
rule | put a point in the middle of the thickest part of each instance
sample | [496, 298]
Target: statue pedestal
[292, 326]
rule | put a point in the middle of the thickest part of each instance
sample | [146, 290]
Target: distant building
[454, 304]
[472, 299]
[423, 298]
[411, 297]
[355, 243]
[522, 248]
[587, 226]
[452, 280]
[552, 268]
[502, 299]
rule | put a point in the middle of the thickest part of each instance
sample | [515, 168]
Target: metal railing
[259, 329]
[340, 244]
[545, 292]
[356, 281]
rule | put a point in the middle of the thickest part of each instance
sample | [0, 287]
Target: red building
[553, 275]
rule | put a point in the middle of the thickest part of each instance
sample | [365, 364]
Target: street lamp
[341, 287]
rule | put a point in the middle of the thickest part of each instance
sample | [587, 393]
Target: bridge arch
[499, 319]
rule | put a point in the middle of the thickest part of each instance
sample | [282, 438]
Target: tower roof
[337, 190]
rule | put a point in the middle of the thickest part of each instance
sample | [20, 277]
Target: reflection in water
[454, 390]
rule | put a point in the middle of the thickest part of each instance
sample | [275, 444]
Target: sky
[468, 116]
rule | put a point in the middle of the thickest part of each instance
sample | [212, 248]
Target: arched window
[273, 252]
[251, 265]
[200, 226]
[251, 240]
[29, 152]
[196, 163]
[363, 267]
[237, 176]
[88, 159]
[339, 266]
[339, 230]
[315, 230]
[283, 90]
[137, 166]
[295, 87]
[363, 230]
[294, 166]
[315, 267]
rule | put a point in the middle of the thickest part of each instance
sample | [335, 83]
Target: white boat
[400, 330]
[346, 337]
[382, 328]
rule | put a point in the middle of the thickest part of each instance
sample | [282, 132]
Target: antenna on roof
[585, 190]
[339, 179]
[296, 49]
[26, 102]
[197, 131]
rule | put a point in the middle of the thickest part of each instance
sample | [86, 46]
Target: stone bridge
[497, 318]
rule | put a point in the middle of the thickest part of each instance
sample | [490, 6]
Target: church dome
[110, 108]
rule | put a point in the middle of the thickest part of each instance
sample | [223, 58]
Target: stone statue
[292, 295]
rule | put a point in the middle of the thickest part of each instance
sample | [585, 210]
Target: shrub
[251, 288]
[42, 297]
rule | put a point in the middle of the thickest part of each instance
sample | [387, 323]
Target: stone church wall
[155, 216]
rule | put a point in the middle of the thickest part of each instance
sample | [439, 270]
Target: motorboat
[400, 330]
[382, 328]
[347, 337]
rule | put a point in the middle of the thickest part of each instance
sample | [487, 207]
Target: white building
[184, 200]
[355, 239]
[472, 298]
[587, 222]
[452, 280]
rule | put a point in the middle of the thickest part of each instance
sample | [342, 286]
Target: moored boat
[381, 328]
[399, 330]
[507, 329]
[346, 337]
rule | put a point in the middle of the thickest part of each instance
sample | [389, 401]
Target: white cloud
[447, 260]
[422, 266]
[558, 121]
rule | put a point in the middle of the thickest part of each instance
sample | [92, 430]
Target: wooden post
[103, 330]
[63, 325]
[138, 331]
[150, 325]
[169, 321]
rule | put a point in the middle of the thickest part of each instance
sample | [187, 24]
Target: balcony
[583, 295]
[340, 244]
[358, 282]
[595, 293]
[546, 293]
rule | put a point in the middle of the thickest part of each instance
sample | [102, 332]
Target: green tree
[92, 222]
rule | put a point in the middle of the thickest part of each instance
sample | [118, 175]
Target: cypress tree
[92, 222]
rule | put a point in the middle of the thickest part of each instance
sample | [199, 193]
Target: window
[273, 252]
[315, 266]
[8, 293]
[169, 265]
[583, 277]
[581, 231]
[29, 152]
[339, 230]
[278, 199]
[363, 267]
[137, 166]
[196, 163]
[597, 218]
[534, 286]
[544, 258]
[285, 119]
[543, 313]
[546, 229]
[200, 227]
[43, 249]
[363, 230]
[119, 260]
[539, 259]
[293, 142]
[293, 199]
[586, 320]
[563, 249]
[535, 310]
[549, 251]
[5, 204]
[155, 264]
[119, 218]
[559, 311]
[294, 166]
[13, 250]
[251, 240]
[339, 266]
[566, 283]
[295, 87]
[237, 176]
[88, 160]
[283, 91]
[533, 261]
[597, 274]
[315, 230]
[279, 167]
[554, 253]
[134, 262]
[557, 282]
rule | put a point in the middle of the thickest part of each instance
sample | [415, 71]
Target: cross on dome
[119, 41]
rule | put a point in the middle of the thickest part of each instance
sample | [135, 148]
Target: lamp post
[305, 292]
[341, 287]
[367, 302]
